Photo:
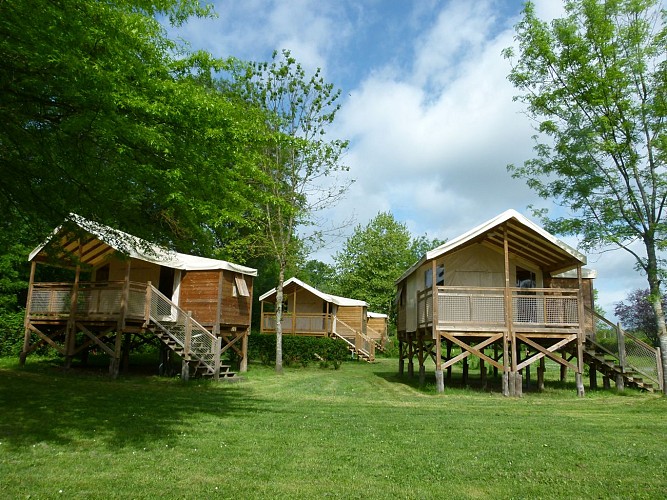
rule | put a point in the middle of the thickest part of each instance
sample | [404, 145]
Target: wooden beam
[544, 351]
[472, 350]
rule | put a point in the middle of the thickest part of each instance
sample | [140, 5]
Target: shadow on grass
[43, 403]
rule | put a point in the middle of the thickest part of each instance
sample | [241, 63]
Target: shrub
[298, 351]
[11, 333]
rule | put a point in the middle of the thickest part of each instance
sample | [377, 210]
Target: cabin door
[168, 286]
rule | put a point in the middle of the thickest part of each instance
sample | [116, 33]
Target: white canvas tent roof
[334, 299]
[106, 240]
[376, 315]
[525, 239]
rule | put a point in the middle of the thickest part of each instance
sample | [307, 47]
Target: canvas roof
[526, 240]
[376, 315]
[291, 283]
[103, 240]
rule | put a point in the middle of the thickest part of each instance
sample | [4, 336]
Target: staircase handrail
[203, 349]
[359, 337]
[632, 342]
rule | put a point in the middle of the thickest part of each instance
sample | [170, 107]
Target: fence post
[147, 305]
[621, 346]
[658, 361]
[185, 365]
[217, 347]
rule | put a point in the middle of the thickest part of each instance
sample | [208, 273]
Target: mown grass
[358, 432]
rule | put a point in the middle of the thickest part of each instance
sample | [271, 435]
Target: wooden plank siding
[200, 294]
[353, 316]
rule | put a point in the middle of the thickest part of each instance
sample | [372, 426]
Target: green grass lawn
[357, 432]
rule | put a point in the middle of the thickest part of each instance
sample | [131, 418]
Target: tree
[299, 164]
[595, 82]
[317, 274]
[374, 257]
[103, 115]
[637, 315]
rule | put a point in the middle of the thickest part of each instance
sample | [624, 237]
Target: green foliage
[374, 257]
[299, 351]
[105, 116]
[11, 333]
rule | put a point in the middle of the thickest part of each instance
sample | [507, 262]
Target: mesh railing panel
[50, 301]
[642, 358]
[174, 320]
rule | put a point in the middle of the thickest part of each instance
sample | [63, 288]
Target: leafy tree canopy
[374, 257]
[105, 116]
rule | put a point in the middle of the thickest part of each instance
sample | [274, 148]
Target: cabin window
[440, 276]
[240, 287]
[102, 274]
[525, 278]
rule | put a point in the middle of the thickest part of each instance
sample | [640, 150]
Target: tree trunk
[279, 320]
[656, 304]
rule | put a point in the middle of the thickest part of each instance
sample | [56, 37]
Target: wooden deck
[106, 311]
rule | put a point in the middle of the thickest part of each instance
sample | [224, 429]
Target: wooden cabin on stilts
[126, 291]
[308, 311]
[511, 295]
[484, 293]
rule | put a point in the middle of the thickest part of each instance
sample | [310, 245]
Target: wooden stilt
[540, 375]
[420, 359]
[439, 378]
[465, 371]
[411, 353]
[401, 357]
[244, 349]
[482, 373]
[449, 356]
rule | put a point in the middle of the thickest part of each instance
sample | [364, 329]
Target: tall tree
[374, 257]
[103, 115]
[299, 163]
[595, 81]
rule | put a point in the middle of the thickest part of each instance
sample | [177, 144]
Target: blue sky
[425, 101]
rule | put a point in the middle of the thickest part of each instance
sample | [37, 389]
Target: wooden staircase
[622, 357]
[177, 330]
[363, 347]
[597, 357]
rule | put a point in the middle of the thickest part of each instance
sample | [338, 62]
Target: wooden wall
[200, 293]
[354, 316]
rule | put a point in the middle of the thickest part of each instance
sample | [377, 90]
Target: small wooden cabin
[198, 307]
[308, 311]
[495, 293]
[376, 327]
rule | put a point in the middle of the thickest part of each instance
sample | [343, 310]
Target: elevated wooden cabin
[495, 293]
[198, 307]
[376, 327]
[308, 311]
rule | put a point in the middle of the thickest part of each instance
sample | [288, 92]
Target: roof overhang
[525, 240]
[293, 285]
[88, 243]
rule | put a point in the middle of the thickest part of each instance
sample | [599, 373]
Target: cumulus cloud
[426, 106]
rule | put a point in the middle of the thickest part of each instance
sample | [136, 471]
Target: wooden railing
[477, 307]
[299, 324]
[363, 344]
[94, 300]
[629, 352]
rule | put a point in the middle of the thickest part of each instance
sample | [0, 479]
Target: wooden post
[411, 353]
[482, 373]
[217, 347]
[243, 367]
[527, 369]
[435, 334]
[540, 374]
[401, 356]
[465, 370]
[420, 358]
[509, 342]
[563, 369]
[495, 357]
[114, 365]
[606, 383]
[621, 346]
[147, 303]
[70, 333]
[185, 364]
[26, 322]
[581, 337]
[449, 356]
[294, 313]
[658, 361]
